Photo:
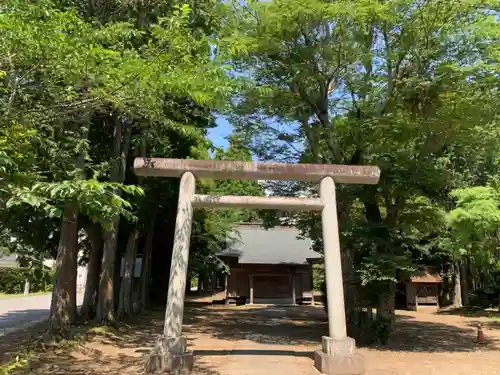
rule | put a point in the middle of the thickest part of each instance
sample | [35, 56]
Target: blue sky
[217, 135]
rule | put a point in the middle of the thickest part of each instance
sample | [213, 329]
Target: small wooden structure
[268, 266]
[423, 289]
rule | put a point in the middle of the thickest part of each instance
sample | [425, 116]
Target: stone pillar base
[169, 356]
[337, 357]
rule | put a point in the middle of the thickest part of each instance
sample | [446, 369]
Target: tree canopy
[408, 85]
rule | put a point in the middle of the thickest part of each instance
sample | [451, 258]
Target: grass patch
[7, 296]
[12, 366]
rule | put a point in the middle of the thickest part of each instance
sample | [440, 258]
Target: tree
[396, 84]
[474, 236]
[51, 79]
[128, 87]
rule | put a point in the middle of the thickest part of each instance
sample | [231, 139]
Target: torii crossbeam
[337, 355]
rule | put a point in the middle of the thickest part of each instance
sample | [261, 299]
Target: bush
[362, 324]
[12, 280]
[318, 271]
[484, 298]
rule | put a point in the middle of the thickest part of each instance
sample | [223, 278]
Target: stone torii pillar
[337, 356]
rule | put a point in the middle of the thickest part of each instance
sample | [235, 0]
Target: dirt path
[252, 341]
[425, 343]
[433, 344]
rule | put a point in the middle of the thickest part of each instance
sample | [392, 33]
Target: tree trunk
[106, 305]
[63, 305]
[226, 290]
[457, 287]
[386, 313]
[127, 283]
[88, 309]
[350, 277]
[464, 273]
[199, 288]
[203, 282]
[146, 268]
[63, 309]
[446, 289]
[387, 304]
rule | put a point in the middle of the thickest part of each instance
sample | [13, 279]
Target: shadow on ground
[119, 350]
[305, 325]
[257, 352]
[133, 334]
[278, 325]
[98, 363]
[411, 335]
[14, 342]
[471, 312]
[124, 349]
[94, 365]
[491, 316]
[14, 319]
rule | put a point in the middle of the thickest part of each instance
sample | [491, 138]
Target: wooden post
[251, 289]
[294, 297]
[415, 296]
[311, 268]
[226, 291]
[411, 296]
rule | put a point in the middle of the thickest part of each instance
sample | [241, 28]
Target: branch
[392, 71]
[353, 98]
[313, 144]
[283, 140]
[247, 10]
[125, 148]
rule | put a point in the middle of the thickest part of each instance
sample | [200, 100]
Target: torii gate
[337, 355]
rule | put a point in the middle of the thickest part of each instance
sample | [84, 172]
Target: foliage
[410, 86]
[474, 224]
[120, 77]
[12, 280]
[212, 226]
[318, 276]
[399, 84]
[83, 89]
[474, 232]
[98, 200]
[381, 329]
[13, 365]
[64, 80]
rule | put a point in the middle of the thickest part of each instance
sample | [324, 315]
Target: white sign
[137, 267]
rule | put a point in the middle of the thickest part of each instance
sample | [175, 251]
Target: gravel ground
[250, 340]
